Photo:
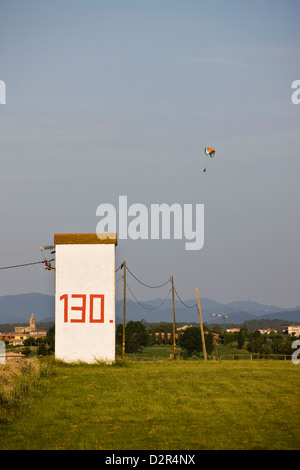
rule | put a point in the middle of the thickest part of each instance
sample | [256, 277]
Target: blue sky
[120, 98]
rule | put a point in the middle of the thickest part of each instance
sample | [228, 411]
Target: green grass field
[160, 405]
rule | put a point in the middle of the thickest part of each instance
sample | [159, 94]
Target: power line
[187, 306]
[120, 267]
[148, 307]
[27, 264]
[156, 287]
[146, 285]
[19, 248]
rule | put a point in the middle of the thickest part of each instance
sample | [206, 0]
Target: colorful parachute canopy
[209, 151]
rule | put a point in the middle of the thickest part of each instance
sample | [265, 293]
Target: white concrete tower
[85, 297]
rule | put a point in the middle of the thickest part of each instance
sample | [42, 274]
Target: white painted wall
[84, 270]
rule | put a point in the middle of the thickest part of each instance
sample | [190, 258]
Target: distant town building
[293, 330]
[21, 333]
[184, 327]
[268, 331]
[29, 328]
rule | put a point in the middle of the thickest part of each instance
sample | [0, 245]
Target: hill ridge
[18, 308]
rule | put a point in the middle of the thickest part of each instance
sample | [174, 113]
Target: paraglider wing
[209, 151]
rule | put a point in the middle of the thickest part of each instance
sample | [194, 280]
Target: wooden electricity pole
[201, 326]
[124, 310]
[174, 327]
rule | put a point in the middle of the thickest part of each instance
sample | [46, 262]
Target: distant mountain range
[18, 308]
[238, 312]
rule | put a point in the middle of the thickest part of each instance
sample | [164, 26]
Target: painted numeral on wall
[96, 308]
[81, 308]
[65, 298]
[101, 310]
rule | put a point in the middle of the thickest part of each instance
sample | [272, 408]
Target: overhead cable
[152, 287]
[188, 306]
[27, 264]
[148, 307]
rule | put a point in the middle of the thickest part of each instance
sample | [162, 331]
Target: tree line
[139, 334]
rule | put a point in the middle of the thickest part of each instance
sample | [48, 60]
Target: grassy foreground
[163, 405]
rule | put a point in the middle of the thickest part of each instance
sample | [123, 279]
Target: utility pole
[174, 327]
[201, 326]
[124, 310]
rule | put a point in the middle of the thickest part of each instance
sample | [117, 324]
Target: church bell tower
[32, 325]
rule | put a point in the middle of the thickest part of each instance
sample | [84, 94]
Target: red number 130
[83, 308]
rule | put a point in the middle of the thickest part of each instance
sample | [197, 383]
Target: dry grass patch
[17, 379]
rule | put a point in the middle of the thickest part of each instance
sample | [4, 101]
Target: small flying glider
[209, 151]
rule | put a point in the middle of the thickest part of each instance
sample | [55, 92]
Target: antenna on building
[47, 263]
